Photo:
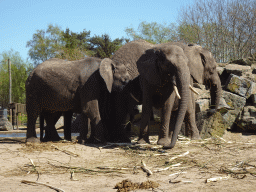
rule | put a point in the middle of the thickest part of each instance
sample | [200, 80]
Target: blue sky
[19, 19]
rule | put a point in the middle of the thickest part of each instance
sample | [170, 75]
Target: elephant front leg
[97, 128]
[51, 133]
[191, 129]
[145, 117]
[85, 121]
[164, 138]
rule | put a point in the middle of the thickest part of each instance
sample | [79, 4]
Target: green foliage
[75, 45]
[54, 42]
[44, 44]
[20, 70]
[103, 46]
[189, 33]
[22, 118]
[154, 32]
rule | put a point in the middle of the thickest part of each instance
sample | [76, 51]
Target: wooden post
[10, 82]
[10, 88]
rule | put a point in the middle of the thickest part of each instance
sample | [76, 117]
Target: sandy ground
[69, 166]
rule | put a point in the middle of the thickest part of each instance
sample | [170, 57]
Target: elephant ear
[147, 67]
[196, 63]
[106, 72]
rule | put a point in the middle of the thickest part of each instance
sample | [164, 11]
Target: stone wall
[238, 103]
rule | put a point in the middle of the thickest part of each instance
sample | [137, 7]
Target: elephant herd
[105, 91]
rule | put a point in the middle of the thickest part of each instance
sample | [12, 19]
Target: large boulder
[240, 86]
[246, 120]
[236, 104]
[5, 125]
[209, 126]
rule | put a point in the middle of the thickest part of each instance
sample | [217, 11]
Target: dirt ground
[190, 166]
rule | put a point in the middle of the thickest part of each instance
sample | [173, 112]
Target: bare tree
[226, 27]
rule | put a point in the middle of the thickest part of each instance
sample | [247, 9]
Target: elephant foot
[196, 137]
[49, 138]
[33, 140]
[82, 141]
[168, 147]
[143, 141]
[120, 139]
[164, 141]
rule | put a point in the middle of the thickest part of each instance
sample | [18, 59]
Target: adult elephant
[164, 70]
[79, 86]
[202, 68]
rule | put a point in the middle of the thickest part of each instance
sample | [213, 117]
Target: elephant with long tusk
[201, 68]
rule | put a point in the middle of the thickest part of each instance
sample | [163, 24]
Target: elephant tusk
[176, 91]
[134, 98]
[192, 89]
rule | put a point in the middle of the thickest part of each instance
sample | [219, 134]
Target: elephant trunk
[216, 91]
[183, 81]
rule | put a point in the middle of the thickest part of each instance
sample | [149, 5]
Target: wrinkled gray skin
[77, 86]
[202, 70]
[162, 68]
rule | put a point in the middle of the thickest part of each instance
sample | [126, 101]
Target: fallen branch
[182, 138]
[145, 168]
[81, 169]
[163, 154]
[166, 168]
[65, 151]
[171, 159]
[35, 168]
[214, 179]
[115, 168]
[180, 181]
[37, 183]
[233, 171]
[176, 173]
[221, 138]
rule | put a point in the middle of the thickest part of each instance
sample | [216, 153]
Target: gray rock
[245, 124]
[5, 125]
[210, 125]
[237, 69]
[223, 105]
[240, 62]
[253, 98]
[236, 103]
[253, 67]
[240, 86]
[202, 105]
[60, 122]
[220, 70]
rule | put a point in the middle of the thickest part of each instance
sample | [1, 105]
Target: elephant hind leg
[67, 125]
[32, 114]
